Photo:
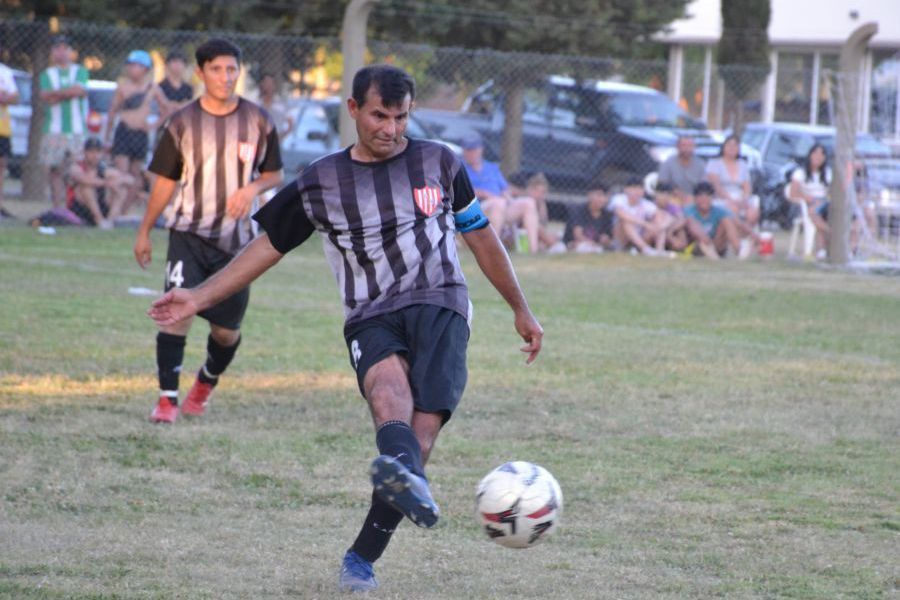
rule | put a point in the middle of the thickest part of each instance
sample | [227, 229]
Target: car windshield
[648, 110]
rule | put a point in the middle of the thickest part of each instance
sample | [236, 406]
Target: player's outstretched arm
[180, 303]
[494, 262]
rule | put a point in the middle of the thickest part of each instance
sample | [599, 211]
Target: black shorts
[433, 341]
[5, 147]
[132, 143]
[191, 260]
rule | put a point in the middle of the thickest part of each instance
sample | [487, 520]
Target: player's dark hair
[823, 177]
[391, 83]
[214, 48]
[174, 55]
[704, 187]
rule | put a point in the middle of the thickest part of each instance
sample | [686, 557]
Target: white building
[805, 37]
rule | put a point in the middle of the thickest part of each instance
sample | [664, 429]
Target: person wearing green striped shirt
[64, 94]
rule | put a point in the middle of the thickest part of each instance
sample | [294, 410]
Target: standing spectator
[683, 170]
[271, 101]
[9, 94]
[730, 178]
[177, 91]
[710, 226]
[494, 195]
[95, 191]
[64, 94]
[590, 226]
[638, 223]
[131, 107]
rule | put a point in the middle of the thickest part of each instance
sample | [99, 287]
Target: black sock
[396, 438]
[169, 356]
[377, 530]
[218, 357]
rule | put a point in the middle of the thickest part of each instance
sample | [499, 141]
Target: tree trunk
[511, 146]
[34, 181]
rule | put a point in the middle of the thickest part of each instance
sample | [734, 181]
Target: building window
[826, 113]
[793, 87]
[884, 117]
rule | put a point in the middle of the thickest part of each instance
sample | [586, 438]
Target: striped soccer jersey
[68, 116]
[213, 156]
[387, 227]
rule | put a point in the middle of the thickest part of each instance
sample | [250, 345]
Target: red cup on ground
[766, 244]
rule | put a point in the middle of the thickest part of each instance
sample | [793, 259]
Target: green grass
[719, 430]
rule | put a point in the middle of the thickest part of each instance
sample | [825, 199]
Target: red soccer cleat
[197, 399]
[165, 411]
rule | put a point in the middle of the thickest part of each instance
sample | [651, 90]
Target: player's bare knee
[224, 337]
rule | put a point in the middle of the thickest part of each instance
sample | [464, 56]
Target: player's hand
[238, 205]
[176, 305]
[143, 250]
[532, 332]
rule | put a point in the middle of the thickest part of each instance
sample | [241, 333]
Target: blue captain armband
[470, 218]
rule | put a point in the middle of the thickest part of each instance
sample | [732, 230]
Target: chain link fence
[567, 123]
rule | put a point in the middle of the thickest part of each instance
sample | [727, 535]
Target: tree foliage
[743, 52]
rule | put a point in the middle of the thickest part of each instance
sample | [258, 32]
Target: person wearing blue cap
[129, 113]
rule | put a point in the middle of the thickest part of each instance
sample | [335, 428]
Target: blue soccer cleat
[356, 574]
[407, 492]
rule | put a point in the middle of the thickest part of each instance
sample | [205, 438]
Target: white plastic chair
[804, 223]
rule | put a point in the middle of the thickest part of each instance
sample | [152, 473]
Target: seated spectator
[809, 184]
[536, 187]
[96, 193]
[730, 178]
[590, 225]
[672, 218]
[683, 170]
[492, 191]
[710, 226]
[638, 223]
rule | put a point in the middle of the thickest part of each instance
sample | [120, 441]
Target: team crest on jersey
[246, 151]
[428, 199]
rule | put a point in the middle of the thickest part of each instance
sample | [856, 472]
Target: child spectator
[710, 226]
[638, 223]
[96, 193]
[671, 217]
[590, 225]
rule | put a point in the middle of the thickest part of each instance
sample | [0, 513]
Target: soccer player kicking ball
[215, 155]
[388, 208]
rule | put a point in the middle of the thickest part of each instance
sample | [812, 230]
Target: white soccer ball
[519, 504]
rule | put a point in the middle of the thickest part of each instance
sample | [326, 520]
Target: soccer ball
[518, 504]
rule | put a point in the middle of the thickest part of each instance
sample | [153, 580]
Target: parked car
[784, 146]
[100, 94]
[575, 131]
[316, 133]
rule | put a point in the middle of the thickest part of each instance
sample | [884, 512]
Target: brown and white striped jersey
[211, 157]
[387, 227]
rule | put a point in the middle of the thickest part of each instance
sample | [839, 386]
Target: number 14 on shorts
[174, 273]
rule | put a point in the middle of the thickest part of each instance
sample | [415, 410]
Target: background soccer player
[215, 155]
[388, 208]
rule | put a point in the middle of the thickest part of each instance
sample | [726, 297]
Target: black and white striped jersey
[387, 227]
[211, 157]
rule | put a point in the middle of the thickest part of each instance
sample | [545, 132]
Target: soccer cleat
[356, 574]
[165, 411]
[405, 491]
[197, 399]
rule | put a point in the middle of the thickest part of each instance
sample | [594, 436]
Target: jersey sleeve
[167, 160]
[272, 160]
[284, 220]
[461, 188]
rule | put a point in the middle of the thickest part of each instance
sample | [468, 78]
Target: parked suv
[576, 131]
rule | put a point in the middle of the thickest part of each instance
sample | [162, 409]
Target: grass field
[719, 430]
